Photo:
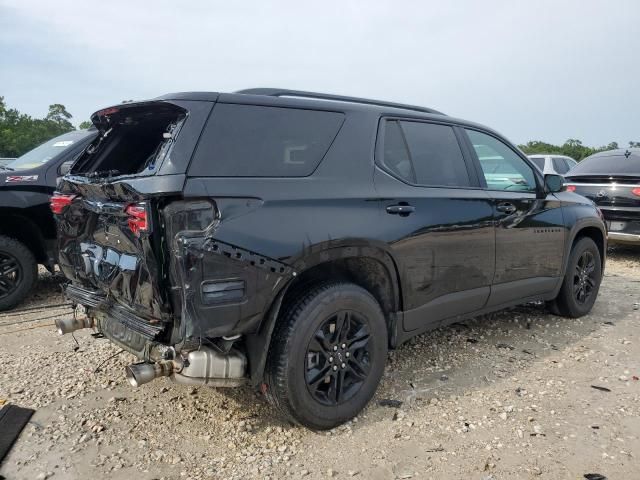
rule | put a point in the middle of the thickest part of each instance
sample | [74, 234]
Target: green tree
[19, 132]
[572, 148]
[84, 125]
[58, 113]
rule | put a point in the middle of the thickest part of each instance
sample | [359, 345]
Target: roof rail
[281, 92]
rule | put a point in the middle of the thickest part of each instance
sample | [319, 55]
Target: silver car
[558, 164]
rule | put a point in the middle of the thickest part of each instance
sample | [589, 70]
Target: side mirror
[65, 167]
[553, 183]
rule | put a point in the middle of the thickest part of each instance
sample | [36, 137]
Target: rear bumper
[618, 237]
[623, 226]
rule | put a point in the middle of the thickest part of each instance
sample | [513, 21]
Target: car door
[437, 220]
[529, 230]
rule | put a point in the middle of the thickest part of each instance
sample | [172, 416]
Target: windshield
[45, 152]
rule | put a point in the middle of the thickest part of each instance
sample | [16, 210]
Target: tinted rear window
[256, 141]
[608, 165]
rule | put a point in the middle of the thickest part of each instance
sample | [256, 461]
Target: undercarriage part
[210, 367]
[141, 373]
[68, 325]
[205, 366]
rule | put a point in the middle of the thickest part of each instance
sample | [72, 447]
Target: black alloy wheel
[581, 281]
[338, 358]
[11, 274]
[327, 354]
[18, 272]
[584, 279]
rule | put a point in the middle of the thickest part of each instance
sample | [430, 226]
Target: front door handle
[402, 210]
[506, 207]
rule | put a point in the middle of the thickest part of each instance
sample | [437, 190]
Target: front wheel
[18, 272]
[581, 281]
[327, 355]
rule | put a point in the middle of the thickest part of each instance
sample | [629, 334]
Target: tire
[304, 341]
[18, 272]
[584, 274]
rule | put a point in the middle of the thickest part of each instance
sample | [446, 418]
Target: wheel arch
[592, 230]
[21, 228]
[370, 267]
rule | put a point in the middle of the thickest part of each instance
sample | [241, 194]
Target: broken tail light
[60, 201]
[137, 220]
[636, 192]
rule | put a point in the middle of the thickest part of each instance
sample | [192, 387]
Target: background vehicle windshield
[45, 152]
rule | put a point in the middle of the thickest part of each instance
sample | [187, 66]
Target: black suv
[27, 228]
[287, 239]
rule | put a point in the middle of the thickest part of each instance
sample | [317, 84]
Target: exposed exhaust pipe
[68, 325]
[141, 373]
[205, 366]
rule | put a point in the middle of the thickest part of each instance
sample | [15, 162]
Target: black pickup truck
[27, 227]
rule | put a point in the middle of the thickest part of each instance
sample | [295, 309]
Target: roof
[310, 98]
[535, 155]
[282, 92]
[618, 151]
[278, 97]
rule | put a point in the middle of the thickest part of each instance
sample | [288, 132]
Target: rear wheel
[327, 355]
[581, 281]
[18, 272]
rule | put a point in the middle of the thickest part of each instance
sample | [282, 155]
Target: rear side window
[424, 154]
[560, 165]
[255, 141]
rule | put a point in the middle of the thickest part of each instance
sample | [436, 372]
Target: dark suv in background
[612, 180]
[27, 227]
[288, 239]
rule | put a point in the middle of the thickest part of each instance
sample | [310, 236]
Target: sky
[533, 70]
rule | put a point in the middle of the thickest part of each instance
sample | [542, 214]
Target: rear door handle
[402, 210]
[506, 207]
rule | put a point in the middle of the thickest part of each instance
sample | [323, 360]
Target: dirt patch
[505, 396]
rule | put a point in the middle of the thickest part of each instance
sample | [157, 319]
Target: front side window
[425, 154]
[503, 168]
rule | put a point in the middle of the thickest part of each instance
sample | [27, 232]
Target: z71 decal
[21, 178]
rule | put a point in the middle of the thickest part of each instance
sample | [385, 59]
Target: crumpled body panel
[98, 250]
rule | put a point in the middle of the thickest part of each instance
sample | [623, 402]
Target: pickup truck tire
[18, 272]
[327, 355]
[581, 281]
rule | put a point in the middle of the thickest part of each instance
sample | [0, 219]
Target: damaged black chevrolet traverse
[287, 239]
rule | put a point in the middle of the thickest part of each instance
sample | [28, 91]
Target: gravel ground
[505, 396]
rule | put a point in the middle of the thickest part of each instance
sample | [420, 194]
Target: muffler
[68, 325]
[205, 366]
